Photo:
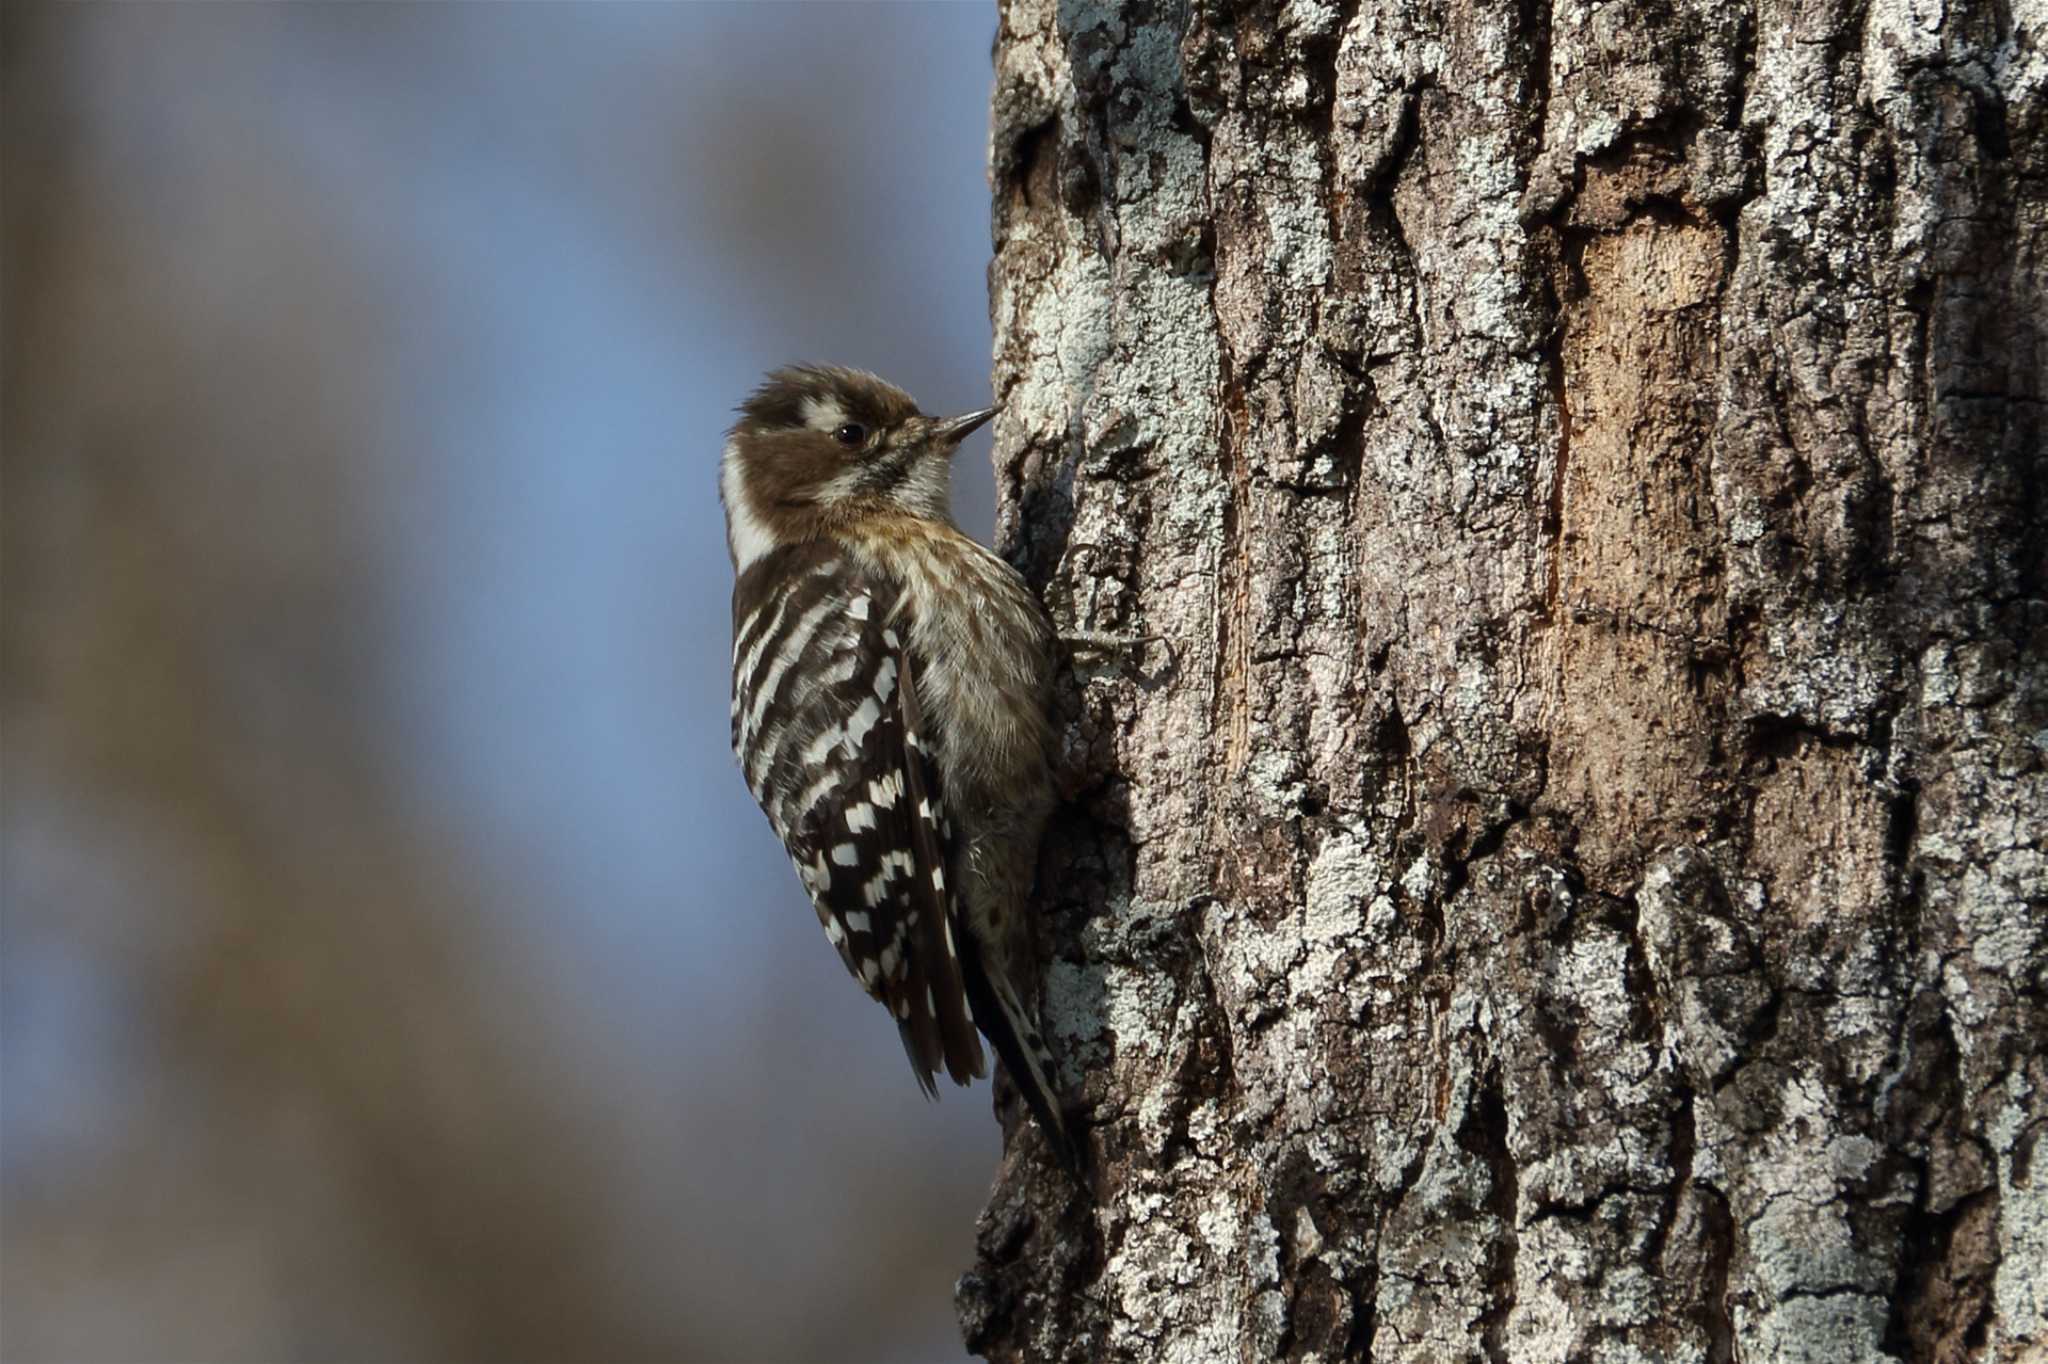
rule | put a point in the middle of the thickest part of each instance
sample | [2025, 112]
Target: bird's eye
[853, 433]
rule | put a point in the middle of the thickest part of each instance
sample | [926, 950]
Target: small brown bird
[889, 694]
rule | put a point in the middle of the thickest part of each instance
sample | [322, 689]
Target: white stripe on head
[746, 534]
[824, 414]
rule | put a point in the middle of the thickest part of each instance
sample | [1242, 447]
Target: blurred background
[395, 966]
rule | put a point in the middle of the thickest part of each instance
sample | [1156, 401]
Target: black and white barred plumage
[889, 713]
[821, 678]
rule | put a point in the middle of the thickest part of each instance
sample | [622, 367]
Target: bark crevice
[1594, 806]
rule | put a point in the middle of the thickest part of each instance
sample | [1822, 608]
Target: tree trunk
[1570, 884]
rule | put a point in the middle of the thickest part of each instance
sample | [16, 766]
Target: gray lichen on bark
[1573, 885]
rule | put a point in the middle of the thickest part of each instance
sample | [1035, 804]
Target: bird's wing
[854, 792]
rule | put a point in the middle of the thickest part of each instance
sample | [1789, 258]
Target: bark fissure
[1598, 801]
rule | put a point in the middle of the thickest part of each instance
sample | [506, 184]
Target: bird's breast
[983, 651]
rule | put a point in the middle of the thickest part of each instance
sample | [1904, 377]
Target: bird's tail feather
[1013, 1030]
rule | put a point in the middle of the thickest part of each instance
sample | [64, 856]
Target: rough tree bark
[1576, 888]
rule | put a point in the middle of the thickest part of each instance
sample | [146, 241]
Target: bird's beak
[952, 430]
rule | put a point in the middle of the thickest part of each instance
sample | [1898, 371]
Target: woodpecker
[890, 682]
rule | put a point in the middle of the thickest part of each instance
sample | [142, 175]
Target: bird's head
[817, 448]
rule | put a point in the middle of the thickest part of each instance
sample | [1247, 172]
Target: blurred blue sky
[430, 319]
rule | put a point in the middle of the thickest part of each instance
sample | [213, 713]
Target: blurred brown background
[395, 967]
